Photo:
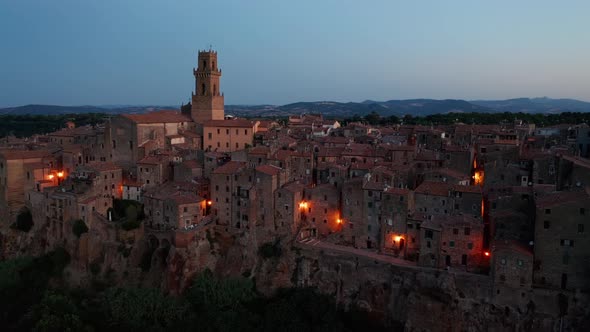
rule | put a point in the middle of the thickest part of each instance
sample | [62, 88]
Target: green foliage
[142, 309]
[24, 221]
[128, 213]
[95, 268]
[211, 304]
[270, 250]
[222, 302]
[131, 213]
[79, 227]
[28, 125]
[56, 312]
[130, 225]
[539, 119]
[23, 282]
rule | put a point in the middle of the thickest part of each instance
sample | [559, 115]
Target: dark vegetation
[270, 250]
[127, 213]
[79, 227]
[24, 221]
[473, 118]
[33, 297]
[28, 125]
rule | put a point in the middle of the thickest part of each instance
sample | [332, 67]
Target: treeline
[33, 296]
[28, 125]
[539, 119]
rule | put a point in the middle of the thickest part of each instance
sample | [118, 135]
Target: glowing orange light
[397, 238]
[209, 203]
[50, 176]
[338, 221]
[60, 174]
[482, 208]
[486, 253]
[303, 205]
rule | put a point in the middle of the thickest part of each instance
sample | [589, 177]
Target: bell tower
[207, 101]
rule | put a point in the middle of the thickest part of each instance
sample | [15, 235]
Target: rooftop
[165, 116]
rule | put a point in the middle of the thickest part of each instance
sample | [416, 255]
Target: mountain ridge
[415, 107]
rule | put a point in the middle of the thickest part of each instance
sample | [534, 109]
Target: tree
[56, 312]
[79, 227]
[143, 309]
[24, 220]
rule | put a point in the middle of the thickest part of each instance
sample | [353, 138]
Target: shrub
[24, 221]
[129, 225]
[79, 227]
[269, 250]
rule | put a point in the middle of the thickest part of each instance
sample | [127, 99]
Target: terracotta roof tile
[24, 154]
[231, 167]
[268, 169]
[165, 116]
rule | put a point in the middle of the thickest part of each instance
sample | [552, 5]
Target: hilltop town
[496, 211]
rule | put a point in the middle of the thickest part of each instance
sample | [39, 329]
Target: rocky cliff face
[417, 299]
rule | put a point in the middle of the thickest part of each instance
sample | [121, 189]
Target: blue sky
[72, 52]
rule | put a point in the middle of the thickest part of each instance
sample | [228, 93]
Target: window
[519, 262]
[455, 231]
[427, 234]
[582, 210]
[546, 224]
[567, 243]
[469, 245]
[452, 244]
[547, 211]
[185, 209]
[427, 244]
[580, 228]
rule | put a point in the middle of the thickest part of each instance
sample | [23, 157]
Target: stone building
[562, 246]
[14, 175]
[290, 211]
[394, 212]
[172, 207]
[135, 136]
[455, 241]
[154, 170]
[511, 268]
[228, 135]
[322, 208]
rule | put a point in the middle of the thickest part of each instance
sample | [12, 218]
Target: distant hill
[57, 110]
[535, 105]
[415, 107]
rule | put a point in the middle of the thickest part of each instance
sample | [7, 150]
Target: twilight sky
[72, 52]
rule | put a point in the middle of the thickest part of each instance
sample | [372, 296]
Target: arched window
[204, 64]
[203, 88]
[215, 89]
